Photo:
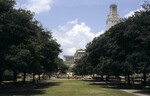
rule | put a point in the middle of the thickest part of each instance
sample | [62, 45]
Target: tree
[146, 6]
[82, 66]
[124, 48]
[6, 6]
[140, 42]
[61, 67]
[25, 46]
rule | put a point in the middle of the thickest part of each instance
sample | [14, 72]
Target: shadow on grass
[138, 87]
[28, 89]
[144, 91]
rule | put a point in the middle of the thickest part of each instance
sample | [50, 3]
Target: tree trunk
[24, 77]
[125, 78]
[129, 83]
[102, 79]
[43, 76]
[15, 78]
[82, 76]
[49, 76]
[93, 75]
[39, 76]
[33, 77]
[144, 77]
[118, 80]
[107, 78]
[1, 75]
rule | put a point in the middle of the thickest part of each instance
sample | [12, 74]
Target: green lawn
[64, 88]
[80, 88]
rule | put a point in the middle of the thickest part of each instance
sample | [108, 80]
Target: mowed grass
[79, 88]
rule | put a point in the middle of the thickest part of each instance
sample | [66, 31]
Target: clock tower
[113, 17]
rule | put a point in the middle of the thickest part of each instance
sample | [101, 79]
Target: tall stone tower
[113, 17]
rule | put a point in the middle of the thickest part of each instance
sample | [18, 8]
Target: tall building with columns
[113, 17]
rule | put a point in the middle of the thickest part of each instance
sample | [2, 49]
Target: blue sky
[74, 23]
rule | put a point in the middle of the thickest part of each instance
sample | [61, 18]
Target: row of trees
[25, 47]
[122, 50]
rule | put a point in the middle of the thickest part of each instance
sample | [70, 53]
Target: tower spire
[113, 9]
[113, 17]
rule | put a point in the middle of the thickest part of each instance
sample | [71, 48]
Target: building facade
[79, 53]
[113, 17]
[70, 60]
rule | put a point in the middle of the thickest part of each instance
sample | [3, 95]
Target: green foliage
[146, 6]
[6, 5]
[61, 67]
[82, 66]
[123, 49]
[24, 45]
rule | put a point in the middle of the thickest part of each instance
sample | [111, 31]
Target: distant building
[79, 53]
[113, 17]
[70, 59]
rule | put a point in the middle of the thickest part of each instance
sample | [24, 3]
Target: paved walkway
[138, 92]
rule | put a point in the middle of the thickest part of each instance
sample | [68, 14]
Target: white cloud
[131, 13]
[74, 35]
[73, 21]
[37, 6]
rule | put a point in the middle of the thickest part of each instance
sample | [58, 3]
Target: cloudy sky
[74, 23]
